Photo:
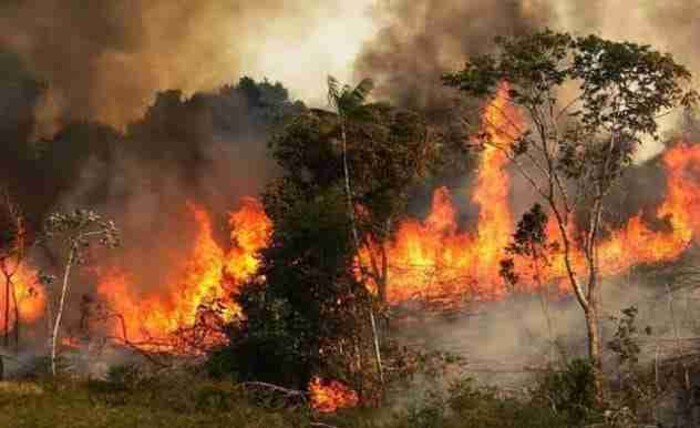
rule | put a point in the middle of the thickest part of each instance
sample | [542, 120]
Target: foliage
[307, 313]
[624, 343]
[465, 405]
[388, 151]
[570, 392]
[301, 312]
[77, 228]
[151, 404]
[587, 105]
[531, 241]
[635, 389]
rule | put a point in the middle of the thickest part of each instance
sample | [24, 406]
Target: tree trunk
[15, 305]
[594, 351]
[356, 240]
[6, 327]
[61, 306]
[377, 353]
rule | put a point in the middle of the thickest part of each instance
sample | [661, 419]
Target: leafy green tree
[303, 313]
[311, 309]
[589, 104]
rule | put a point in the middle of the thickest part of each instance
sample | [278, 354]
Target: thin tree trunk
[356, 239]
[15, 305]
[594, 351]
[377, 353]
[61, 306]
[6, 321]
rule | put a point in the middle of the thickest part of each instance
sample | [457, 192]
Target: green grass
[30, 405]
[186, 400]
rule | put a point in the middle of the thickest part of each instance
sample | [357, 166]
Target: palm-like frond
[347, 100]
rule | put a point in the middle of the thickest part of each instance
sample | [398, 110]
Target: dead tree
[74, 232]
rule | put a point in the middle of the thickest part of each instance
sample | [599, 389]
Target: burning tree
[12, 251]
[589, 104]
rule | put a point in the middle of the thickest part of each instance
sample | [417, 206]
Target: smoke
[417, 41]
[207, 150]
[104, 60]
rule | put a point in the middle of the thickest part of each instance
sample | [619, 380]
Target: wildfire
[433, 260]
[198, 292]
[327, 396]
[429, 259]
[28, 301]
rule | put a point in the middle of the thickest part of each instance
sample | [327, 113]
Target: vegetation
[317, 306]
[577, 147]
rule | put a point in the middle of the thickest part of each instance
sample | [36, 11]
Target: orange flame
[433, 260]
[29, 298]
[205, 280]
[327, 396]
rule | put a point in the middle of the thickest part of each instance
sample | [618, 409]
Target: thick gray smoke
[419, 40]
[422, 39]
[104, 60]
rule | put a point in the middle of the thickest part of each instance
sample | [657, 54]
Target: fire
[433, 260]
[327, 396]
[198, 293]
[29, 298]
[250, 231]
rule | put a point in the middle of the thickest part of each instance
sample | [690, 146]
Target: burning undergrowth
[179, 302]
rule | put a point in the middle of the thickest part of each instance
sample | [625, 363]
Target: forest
[499, 254]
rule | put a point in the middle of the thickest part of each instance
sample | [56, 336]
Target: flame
[250, 231]
[432, 259]
[198, 292]
[327, 396]
[30, 298]
[429, 259]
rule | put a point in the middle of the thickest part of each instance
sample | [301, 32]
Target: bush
[466, 405]
[570, 392]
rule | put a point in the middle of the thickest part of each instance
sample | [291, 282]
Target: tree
[74, 232]
[385, 151]
[530, 242]
[589, 104]
[13, 245]
[348, 104]
[303, 314]
[310, 300]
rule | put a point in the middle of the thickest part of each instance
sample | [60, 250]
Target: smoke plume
[104, 60]
[419, 40]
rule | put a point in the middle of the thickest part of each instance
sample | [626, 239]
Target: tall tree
[349, 103]
[590, 103]
[344, 181]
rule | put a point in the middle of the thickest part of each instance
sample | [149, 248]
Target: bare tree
[74, 232]
[12, 253]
